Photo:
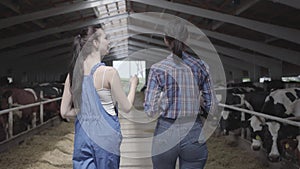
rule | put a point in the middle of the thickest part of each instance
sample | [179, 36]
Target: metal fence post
[41, 107]
[10, 118]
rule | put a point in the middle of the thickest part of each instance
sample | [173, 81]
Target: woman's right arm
[66, 109]
[124, 103]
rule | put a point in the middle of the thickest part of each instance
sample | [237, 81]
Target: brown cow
[20, 97]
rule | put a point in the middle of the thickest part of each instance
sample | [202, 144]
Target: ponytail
[75, 53]
[82, 47]
[176, 46]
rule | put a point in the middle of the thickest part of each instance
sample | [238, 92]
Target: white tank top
[106, 98]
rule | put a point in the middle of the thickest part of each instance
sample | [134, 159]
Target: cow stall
[36, 124]
[275, 127]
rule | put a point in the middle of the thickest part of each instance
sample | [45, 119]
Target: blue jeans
[179, 139]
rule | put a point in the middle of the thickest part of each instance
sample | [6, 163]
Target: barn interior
[241, 41]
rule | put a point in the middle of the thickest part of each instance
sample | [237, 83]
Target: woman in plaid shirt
[174, 88]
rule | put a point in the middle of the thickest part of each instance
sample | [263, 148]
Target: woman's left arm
[66, 109]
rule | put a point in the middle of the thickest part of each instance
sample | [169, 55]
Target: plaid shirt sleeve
[152, 95]
[208, 94]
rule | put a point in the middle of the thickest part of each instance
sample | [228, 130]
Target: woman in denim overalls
[92, 92]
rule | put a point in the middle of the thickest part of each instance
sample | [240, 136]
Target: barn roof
[248, 34]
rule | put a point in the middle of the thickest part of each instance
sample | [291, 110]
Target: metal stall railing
[11, 111]
[283, 120]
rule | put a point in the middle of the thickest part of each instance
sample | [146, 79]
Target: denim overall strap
[95, 67]
[92, 73]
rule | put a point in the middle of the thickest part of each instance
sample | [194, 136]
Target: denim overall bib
[97, 134]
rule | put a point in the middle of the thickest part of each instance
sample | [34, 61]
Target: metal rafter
[13, 54]
[263, 61]
[270, 29]
[237, 12]
[252, 58]
[158, 55]
[51, 12]
[30, 36]
[15, 9]
[273, 51]
[10, 5]
[291, 3]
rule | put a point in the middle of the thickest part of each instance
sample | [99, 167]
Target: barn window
[246, 80]
[291, 79]
[264, 79]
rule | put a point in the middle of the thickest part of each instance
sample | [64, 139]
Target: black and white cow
[255, 101]
[232, 119]
[282, 103]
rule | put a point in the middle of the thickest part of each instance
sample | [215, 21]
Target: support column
[276, 72]
[235, 75]
[254, 74]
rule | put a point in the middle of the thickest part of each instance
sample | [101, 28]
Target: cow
[283, 103]
[20, 97]
[232, 119]
[49, 91]
[254, 101]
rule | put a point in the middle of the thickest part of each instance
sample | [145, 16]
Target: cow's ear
[7, 94]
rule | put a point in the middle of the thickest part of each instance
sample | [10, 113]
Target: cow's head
[257, 132]
[271, 141]
[231, 119]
